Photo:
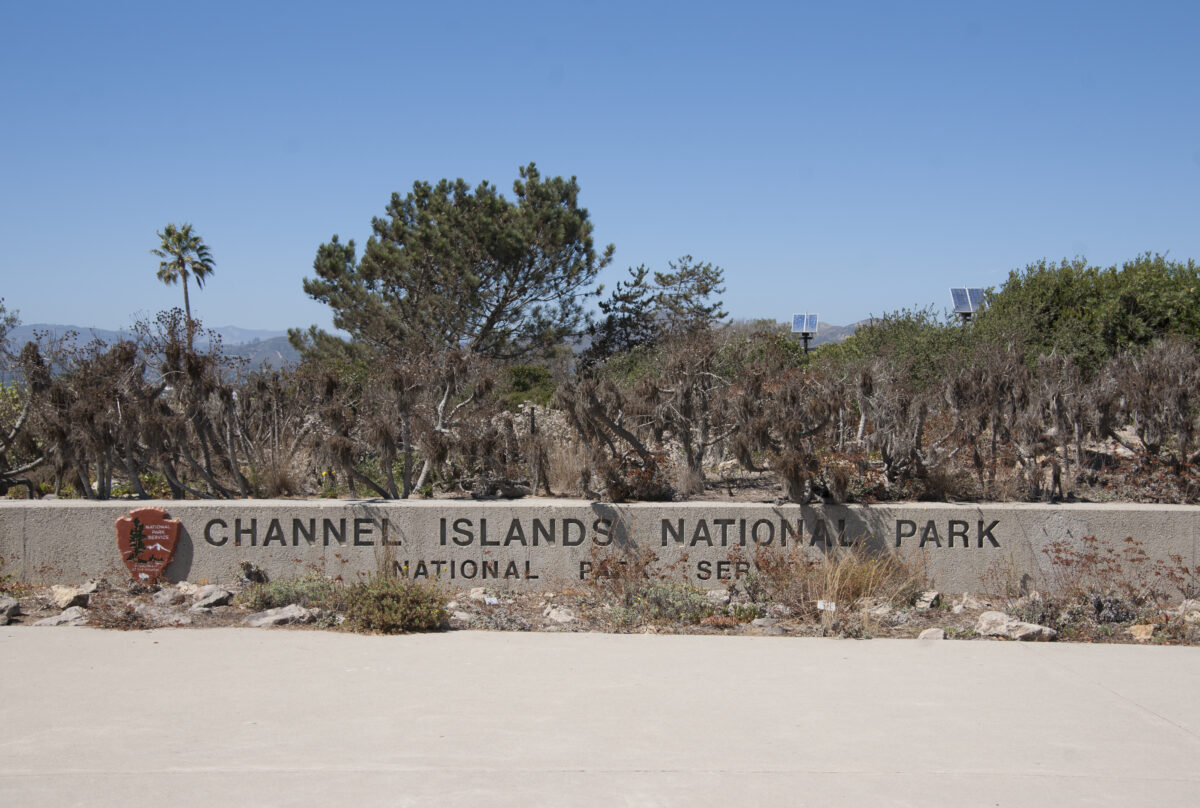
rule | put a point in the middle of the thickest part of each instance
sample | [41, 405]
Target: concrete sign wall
[551, 543]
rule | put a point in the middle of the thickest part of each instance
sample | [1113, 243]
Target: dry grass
[845, 576]
[567, 462]
[688, 482]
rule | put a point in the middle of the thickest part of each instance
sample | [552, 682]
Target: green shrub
[388, 605]
[532, 383]
[674, 601]
[308, 591]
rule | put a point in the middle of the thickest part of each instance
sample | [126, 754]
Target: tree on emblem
[137, 542]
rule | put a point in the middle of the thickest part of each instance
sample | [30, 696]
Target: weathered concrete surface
[553, 542]
[255, 717]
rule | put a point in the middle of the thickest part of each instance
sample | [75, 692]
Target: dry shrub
[620, 575]
[636, 477]
[689, 482]
[567, 463]
[1096, 567]
[119, 615]
[844, 576]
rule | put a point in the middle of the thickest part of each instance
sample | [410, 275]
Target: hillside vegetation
[463, 376]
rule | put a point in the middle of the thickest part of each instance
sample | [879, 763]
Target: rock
[993, 624]
[452, 605]
[462, 617]
[1141, 633]
[282, 616]
[168, 597]
[932, 634]
[67, 596]
[160, 616]
[74, 616]
[490, 601]
[168, 617]
[9, 608]
[187, 588]
[1027, 632]
[774, 631]
[200, 610]
[560, 614]
[779, 610]
[763, 622]
[478, 593]
[928, 599]
[968, 603]
[999, 624]
[90, 588]
[880, 610]
[718, 597]
[212, 595]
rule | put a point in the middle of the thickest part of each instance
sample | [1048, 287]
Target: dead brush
[1094, 566]
[118, 614]
[638, 591]
[620, 576]
[844, 576]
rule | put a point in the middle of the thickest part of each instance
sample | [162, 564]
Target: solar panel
[966, 300]
[804, 323]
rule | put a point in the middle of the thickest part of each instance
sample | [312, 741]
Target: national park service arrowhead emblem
[147, 539]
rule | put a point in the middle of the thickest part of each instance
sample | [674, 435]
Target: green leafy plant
[387, 605]
[308, 591]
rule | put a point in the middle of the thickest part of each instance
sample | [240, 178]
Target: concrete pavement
[304, 718]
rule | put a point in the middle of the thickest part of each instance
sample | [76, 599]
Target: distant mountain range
[827, 332]
[263, 348]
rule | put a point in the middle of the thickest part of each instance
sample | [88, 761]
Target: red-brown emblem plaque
[147, 539]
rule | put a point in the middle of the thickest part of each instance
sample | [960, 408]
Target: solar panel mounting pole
[806, 326]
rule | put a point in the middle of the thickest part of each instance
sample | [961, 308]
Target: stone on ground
[9, 608]
[999, 624]
[718, 597]
[560, 614]
[1029, 632]
[928, 599]
[67, 596]
[212, 595]
[74, 616]
[992, 624]
[284, 615]
[168, 597]
[1141, 633]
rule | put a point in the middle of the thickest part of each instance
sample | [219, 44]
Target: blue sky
[844, 158]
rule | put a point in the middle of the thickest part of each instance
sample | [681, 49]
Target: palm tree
[184, 253]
